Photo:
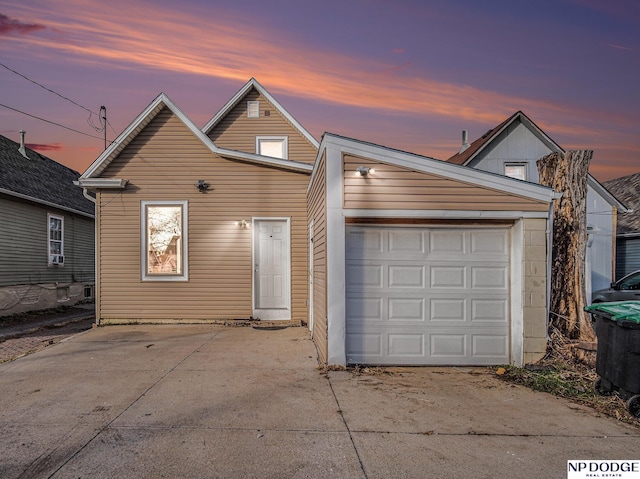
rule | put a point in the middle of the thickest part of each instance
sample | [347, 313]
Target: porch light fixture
[203, 186]
[364, 170]
[242, 224]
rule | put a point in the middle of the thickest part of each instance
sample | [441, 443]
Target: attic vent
[253, 109]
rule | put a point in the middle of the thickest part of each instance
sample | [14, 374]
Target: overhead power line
[48, 89]
[51, 122]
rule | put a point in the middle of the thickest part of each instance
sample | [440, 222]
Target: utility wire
[48, 89]
[52, 122]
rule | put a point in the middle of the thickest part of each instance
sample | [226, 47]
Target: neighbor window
[164, 240]
[56, 239]
[253, 109]
[275, 146]
[516, 170]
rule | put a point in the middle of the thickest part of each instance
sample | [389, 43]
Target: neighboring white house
[512, 149]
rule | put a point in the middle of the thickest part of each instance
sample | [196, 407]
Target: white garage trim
[336, 311]
[517, 286]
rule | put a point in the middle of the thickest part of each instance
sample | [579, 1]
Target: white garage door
[428, 296]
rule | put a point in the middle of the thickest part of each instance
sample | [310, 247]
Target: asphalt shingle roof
[41, 178]
[627, 190]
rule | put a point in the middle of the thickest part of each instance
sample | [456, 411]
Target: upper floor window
[516, 170]
[164, 240]
[56, 239]
[275, 146]
[253, 109]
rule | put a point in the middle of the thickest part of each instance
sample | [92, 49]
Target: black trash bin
[618, 355]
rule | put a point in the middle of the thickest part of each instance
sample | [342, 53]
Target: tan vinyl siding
[317, 212]
[23, 245]
[165, 162]
[238, 132]
[395, 188]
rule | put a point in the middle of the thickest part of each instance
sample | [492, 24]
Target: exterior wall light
[203, 186]
[242, 224]
[364, 170]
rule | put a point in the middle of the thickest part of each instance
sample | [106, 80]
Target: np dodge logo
[593, 469]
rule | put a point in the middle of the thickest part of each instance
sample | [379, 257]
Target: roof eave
[46, 203]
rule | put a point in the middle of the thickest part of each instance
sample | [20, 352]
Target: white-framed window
[164, 240]
[516, 170]
[275, 146]
[55, 235]
[253, 109]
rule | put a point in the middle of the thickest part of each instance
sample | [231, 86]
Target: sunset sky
[409, 74]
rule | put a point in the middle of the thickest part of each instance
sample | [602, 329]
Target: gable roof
[466, 156]
[426, 164]
[237, 98]
[627, 189]
[40, 179]
[147, 115]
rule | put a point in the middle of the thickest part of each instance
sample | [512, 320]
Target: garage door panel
[447, 277]
[489, 310]
[411, 244]
[439, 296]
[489, 277]
[406, 309]
[369, 309]
[447, 243]
[402, 345]
[453, 309]
[404, 276]
[365, 276]
[365, 344]
[487, 346]
[364, 242]
[489, 243]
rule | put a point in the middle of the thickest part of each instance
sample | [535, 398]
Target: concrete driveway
[210, 401]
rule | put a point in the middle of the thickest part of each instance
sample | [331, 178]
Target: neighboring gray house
[627, 190]
[47, 233]
[512, 149]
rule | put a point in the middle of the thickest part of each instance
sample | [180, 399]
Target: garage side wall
[316, 201]
[535, 289]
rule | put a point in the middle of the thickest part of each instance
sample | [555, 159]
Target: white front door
[271, 269]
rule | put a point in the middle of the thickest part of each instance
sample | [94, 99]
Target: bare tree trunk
[567, 174]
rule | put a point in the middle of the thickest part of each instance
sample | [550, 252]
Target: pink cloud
[45, 146]
[398, 50]
[9, 26]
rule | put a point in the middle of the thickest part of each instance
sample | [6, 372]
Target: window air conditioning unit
[57, 259]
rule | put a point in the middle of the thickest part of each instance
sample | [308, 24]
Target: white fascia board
[448, 170]
[114, 183]
[606, 194]
[443, 214]
[46, 203]
[253, 83]
[265, 160]
[129, 133]
[227, 107]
